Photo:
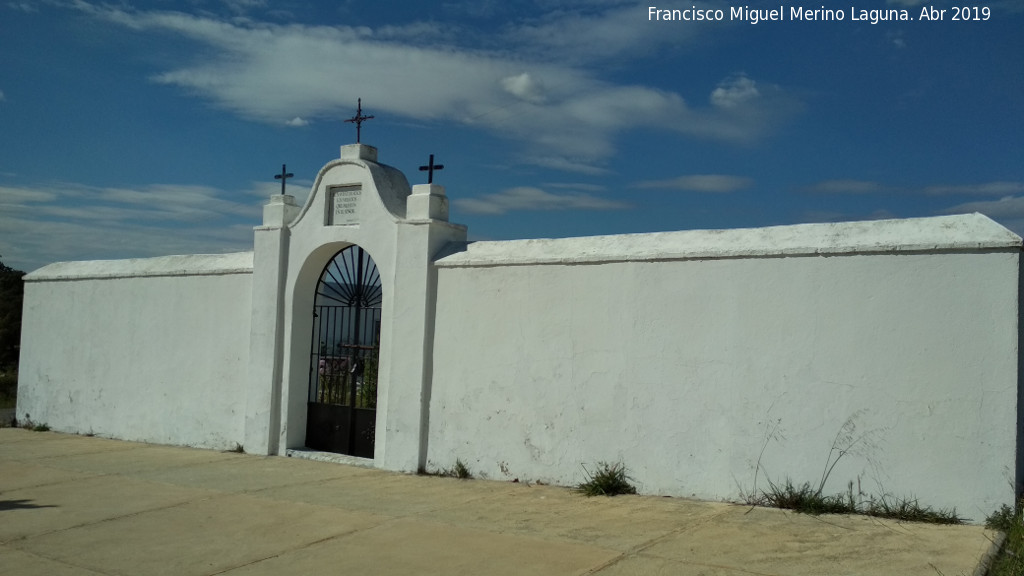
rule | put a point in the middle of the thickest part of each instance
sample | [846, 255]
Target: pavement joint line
[296, 549]
[112, 519]
[256, 491]
[448, 507]
[57, 561]
[732, 568]
[639, 548]
[58, 482]
[137, 475]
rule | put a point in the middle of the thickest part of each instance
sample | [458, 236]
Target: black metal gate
[344, 356]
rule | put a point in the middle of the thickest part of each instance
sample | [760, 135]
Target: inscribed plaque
[344, 205]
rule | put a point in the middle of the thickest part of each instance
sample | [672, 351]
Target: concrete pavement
[78, 506]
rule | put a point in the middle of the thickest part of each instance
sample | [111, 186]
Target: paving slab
[198, 537]
[389, 493]
[25, 445]
[621, 523]
[425, 548]
[77, 506]
[19, 563]
[770, 541]
[42, 509]
[239, 473]
[137, 458]
[28, 474]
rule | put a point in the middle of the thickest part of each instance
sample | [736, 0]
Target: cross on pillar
[429, 169]
[358, 119]
[283, 176]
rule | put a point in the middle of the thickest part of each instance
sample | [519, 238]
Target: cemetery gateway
[363, 323]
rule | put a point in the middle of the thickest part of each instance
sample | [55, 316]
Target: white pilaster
[427, 202]
[266, 342]
[412, 346]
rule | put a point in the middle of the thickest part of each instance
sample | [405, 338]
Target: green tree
[12, 294]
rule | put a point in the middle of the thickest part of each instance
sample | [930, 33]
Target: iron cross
[283, 176]
[358, 120]
[429, 169]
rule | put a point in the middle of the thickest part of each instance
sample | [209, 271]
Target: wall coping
[178, 265]
[965, 232]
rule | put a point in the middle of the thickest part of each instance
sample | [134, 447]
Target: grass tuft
[460, 471]
[909, 510]
[606, 480]
[807, 500]
[1010, 560]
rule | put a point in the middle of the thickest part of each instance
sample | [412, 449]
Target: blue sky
[141, 128]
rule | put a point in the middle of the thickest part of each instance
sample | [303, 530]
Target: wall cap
[178, 265]
[965, 232]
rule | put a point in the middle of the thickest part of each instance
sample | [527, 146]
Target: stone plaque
[344, 205]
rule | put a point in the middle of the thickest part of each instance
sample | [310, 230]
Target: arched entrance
[344, 355]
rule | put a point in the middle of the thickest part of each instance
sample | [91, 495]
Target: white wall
[695, 357]
[151, 349]
[684, 355]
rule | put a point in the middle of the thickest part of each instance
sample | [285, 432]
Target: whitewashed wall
[692, 356]
[151, 349]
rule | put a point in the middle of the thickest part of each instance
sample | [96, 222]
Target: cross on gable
[283, 176]
[429, 169]
[358, 119]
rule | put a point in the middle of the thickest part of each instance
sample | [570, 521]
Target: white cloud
[243, 6]
[833, 216]
[715, 183]
[576, 186]
[847, 187]
[535, 199]
[297, 121]
[735, 91]
[524, 87]
[68, 221]
[561, 110]
[23, 6]
[1000, 5]
[1009, 207]
[564, 163]
[606, 33]
[986, 189]
[999, 188]
[896, 37]
[11, 198]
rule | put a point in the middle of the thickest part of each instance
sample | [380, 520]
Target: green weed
[460, 471]
[606, 480]
[909, 510]
[807, 500]
[1009, 521]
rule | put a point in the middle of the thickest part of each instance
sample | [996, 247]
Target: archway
[344, 355]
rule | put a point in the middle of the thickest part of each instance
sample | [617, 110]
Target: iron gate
[344, 352]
